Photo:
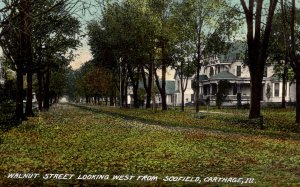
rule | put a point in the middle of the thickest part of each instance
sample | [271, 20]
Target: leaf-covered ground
[104, 142]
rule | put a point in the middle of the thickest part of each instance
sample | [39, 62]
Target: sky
[83, 53]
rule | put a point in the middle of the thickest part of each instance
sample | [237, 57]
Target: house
[225, 67]
[230, 68]
[170, 91]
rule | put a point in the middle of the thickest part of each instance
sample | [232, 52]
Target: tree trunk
[19, 94]
[111, 99]
[298, 99]
[163, 87]
[148, 85]
[122, 92]
[183, 85]
[50, 101]
[40, 90]
[256, 89]
[125, 94]
[284, 77]
[297, 77]
[134, 77]
[27, 49]
[28, 110]
[47, 90]
[123, 99]
[182, 101]
[258, 42]
[197, 91]
[148, 98]
[135, 96]
[295, 60]
[153, 86]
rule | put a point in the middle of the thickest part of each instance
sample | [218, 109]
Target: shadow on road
[178, 126]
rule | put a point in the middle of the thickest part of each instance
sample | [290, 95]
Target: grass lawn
[94, 145]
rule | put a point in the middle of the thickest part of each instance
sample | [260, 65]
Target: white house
[237, 73]
[171, 92]
[225, 67]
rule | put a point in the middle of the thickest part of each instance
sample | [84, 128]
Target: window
[238, 71]
[192, 97]
[219, 69]
[276, 89]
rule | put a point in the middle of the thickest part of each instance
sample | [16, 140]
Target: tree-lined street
[198, 91]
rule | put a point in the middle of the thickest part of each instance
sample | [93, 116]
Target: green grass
[111, 141]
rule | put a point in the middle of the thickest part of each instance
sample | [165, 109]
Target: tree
[93, 83]
[209, 25]
[268, 91]
[8, 89]
[55, 36]
[124, 42]
[279, 51]
[295, 56]
[184, 69]
[18, 29]
[258, 36]
[16, 44]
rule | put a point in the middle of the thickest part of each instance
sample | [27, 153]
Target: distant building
[170, 91]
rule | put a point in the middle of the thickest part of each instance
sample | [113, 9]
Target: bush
[7, 117]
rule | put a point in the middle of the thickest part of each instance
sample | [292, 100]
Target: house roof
[224, 75]
[236, 52]
[274, 78]
[203, 77]
[170, 86]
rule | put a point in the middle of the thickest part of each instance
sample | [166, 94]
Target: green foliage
[8, 91]
[7, 116]
[90, 80]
